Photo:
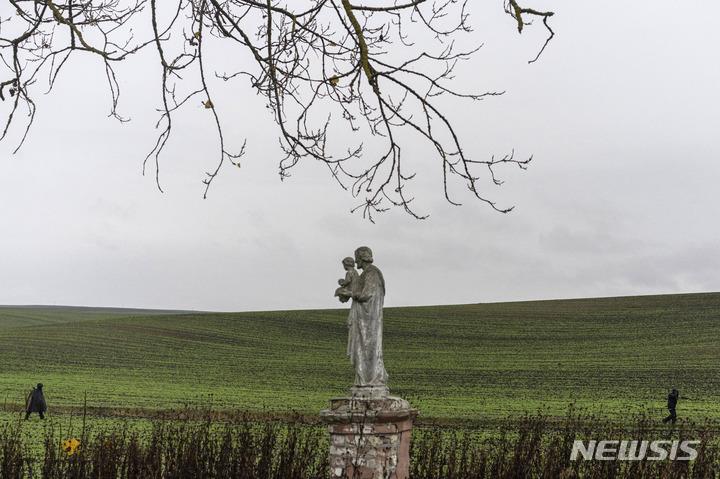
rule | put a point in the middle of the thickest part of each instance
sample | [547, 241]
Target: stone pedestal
[369, 435]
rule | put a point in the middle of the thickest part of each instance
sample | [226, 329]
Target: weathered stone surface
[369, 429]
[369, 392]
[385, 406]
[369, 437]
[365, 319]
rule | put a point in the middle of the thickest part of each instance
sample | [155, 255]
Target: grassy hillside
[23, 316]
[617, 355]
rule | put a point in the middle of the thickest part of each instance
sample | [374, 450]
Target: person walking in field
[672, 403]
[37, 402]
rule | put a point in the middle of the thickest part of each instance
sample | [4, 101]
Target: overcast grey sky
[621, 114]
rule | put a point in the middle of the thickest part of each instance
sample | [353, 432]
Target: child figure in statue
[344, 292]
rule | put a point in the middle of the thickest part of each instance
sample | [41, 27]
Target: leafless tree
[322, 66]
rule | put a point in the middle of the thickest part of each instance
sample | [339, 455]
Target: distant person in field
[36, 402]
[344, 292]
[672, 404]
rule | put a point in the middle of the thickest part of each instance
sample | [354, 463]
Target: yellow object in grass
[69, 446]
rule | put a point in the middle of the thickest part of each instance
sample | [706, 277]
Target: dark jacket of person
[673, 399]
[37, 400]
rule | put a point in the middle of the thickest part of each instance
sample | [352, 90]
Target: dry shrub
[535, 446]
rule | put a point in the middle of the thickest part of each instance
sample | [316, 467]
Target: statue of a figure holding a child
[365, 320]
[382, 448]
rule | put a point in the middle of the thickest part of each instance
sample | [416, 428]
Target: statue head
[348, 262]
[363, 254]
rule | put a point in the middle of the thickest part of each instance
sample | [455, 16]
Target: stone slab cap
[356, 409]
[350, 403]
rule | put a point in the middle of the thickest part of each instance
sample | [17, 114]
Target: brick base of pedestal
[369, 436]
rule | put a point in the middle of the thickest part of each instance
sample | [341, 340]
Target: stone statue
[369, 429]
[365, 327]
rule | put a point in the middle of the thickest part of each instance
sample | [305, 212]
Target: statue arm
[369, 283]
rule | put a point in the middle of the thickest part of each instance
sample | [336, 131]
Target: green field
[464, 363]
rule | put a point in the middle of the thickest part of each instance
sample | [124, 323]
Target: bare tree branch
[348, 85]
[517, 12]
